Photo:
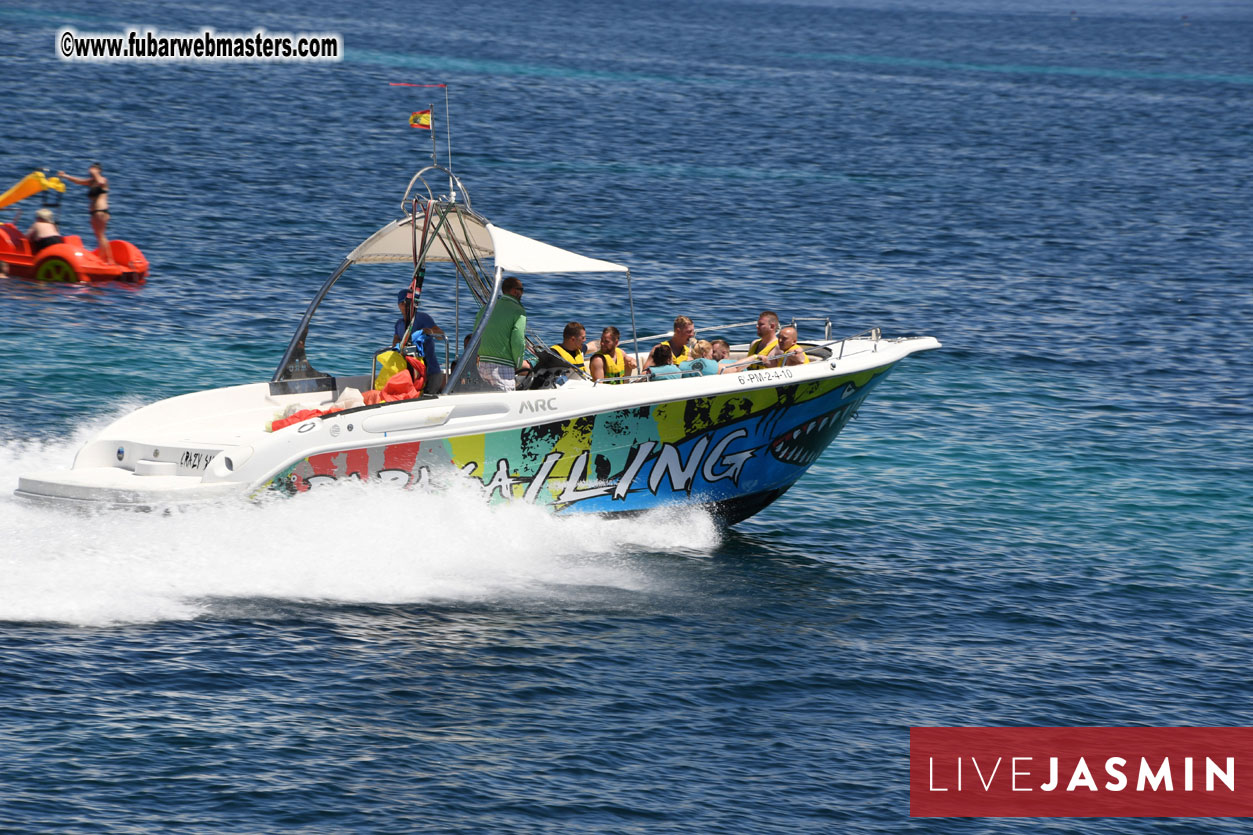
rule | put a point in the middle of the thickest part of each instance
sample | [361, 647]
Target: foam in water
[350, 543]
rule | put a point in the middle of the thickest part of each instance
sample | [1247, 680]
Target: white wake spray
[349, 543]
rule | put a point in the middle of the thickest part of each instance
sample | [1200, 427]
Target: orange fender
[128, 257]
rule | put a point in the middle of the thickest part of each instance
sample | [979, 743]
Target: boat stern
[114, 487]
[181, 450]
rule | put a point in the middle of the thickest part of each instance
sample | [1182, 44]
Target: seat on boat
[12, 237]
[548, 372]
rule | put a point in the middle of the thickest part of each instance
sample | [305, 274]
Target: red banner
[1080, 772]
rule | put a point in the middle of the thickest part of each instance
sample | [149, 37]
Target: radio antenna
[448, 134]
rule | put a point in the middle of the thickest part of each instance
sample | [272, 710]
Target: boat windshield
[359, 318]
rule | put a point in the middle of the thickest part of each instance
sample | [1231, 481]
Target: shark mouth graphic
[803, 444]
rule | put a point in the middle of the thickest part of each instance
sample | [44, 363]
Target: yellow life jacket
[390, 364]
[615, 366]
[573, 359]
[797, 351]
[752, 349]
[686, 355]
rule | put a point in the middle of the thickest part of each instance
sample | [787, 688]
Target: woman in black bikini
[98, 197]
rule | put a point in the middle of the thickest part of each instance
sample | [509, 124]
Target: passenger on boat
[660, 364]
[422, 335]
[721, 354]
[97, 190]
[765, 347]
[570, 348]
[679, 349]
[43, 233]
[504, 339]
[702, 361]
[793, 353]
[610, 362]
[470, 372]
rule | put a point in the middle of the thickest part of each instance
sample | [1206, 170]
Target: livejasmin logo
[1150, 779]
[1081, 772]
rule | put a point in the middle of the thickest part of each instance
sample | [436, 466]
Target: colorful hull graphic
[720, 451]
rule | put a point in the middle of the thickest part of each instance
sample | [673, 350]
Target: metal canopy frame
[450, 222]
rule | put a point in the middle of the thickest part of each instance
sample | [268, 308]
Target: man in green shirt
[504, 339]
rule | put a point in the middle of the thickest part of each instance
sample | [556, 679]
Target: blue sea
[1047, 522]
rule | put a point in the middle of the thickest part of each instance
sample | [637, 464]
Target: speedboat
[730, 442]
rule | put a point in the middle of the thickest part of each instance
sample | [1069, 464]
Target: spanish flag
[420, 119]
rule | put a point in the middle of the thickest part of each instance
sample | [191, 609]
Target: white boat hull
[732, 442]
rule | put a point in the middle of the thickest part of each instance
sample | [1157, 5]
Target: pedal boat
[731, 442]
[70, 260]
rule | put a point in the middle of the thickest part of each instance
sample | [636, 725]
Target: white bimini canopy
[519, 254]
[476, 238]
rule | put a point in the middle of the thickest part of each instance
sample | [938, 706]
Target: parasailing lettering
[672, 471]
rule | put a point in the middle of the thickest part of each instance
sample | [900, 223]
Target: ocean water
[1045, 523]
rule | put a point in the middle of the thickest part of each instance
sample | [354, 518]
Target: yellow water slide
[31, 184]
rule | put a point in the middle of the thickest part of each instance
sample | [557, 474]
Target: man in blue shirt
[424, 332]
